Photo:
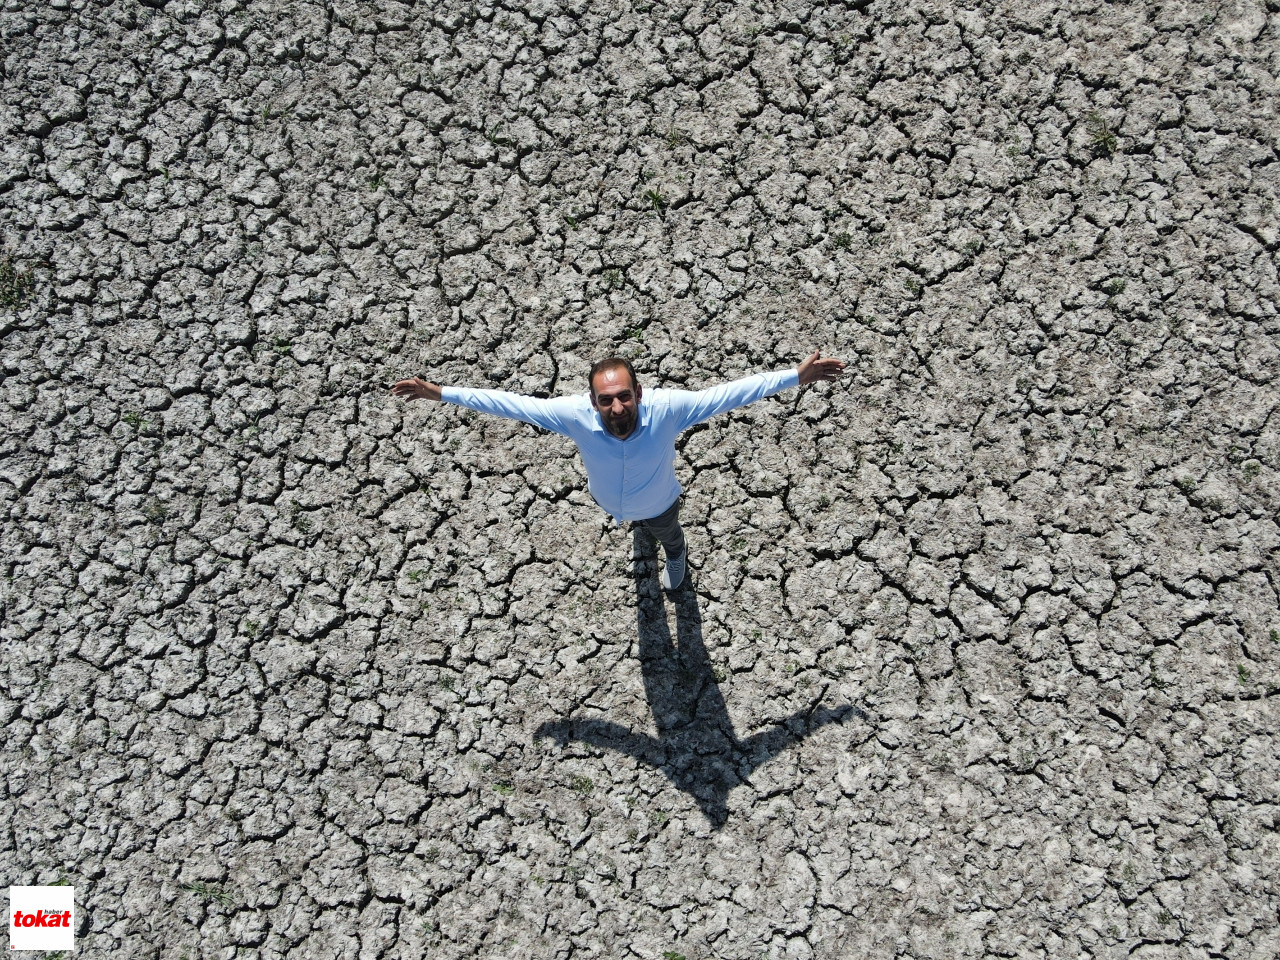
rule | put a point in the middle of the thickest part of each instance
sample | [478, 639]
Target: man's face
[617, 399]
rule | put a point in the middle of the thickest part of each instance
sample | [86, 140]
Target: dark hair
[610, 363]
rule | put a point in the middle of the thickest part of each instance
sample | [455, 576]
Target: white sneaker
[673, 572]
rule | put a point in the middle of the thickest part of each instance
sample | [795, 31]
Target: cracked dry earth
[979, 657]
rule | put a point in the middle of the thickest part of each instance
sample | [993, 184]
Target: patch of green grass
[672, 955]
[503, 788]
[842, 241]
[207, 892]
[299, 519]
[499, 139]
[582, 785]
[16, 286]
[1102, 139]
[656, 200]
[136, 420]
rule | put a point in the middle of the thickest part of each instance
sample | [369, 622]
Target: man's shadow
[696, 746]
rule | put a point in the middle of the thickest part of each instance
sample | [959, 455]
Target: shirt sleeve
[694, 407]
[555, 414]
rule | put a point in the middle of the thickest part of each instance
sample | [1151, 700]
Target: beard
[622, 426]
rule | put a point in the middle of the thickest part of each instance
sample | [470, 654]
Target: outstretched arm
[815, 369]
[704, 404]
[415, 388]
[556, 414]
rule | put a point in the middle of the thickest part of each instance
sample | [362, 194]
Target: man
[629, 447]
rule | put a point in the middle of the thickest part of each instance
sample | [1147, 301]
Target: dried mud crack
[979, 652]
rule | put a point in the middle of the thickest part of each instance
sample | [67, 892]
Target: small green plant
[659, 818]
[1113, 287]
[612, 278]
[672, 955]
[913, 286]
[582, 785]
[499, 139]
[155, 511]
[416, 576]
[1245, 673]
[1186, 485]
[843, 241]
[251, 629]
[636, 334]
[972, 248]
[503, 788]
[299, 519]
[136, 420]
[1275, 636]
[1102, 139]
[657, 201]
[16, 286]
[432, 854]
[446, 682]
[377, 183]
[281, 346]
[209, 893]
[1164, 918]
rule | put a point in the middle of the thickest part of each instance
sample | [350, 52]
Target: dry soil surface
[979, 653]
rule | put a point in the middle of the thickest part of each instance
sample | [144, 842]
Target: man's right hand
[415, 388]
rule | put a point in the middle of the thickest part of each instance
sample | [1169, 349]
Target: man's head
[615, 394]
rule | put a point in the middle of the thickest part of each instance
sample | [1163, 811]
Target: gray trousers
[665, 528]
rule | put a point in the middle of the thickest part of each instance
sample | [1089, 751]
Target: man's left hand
[816, 368]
